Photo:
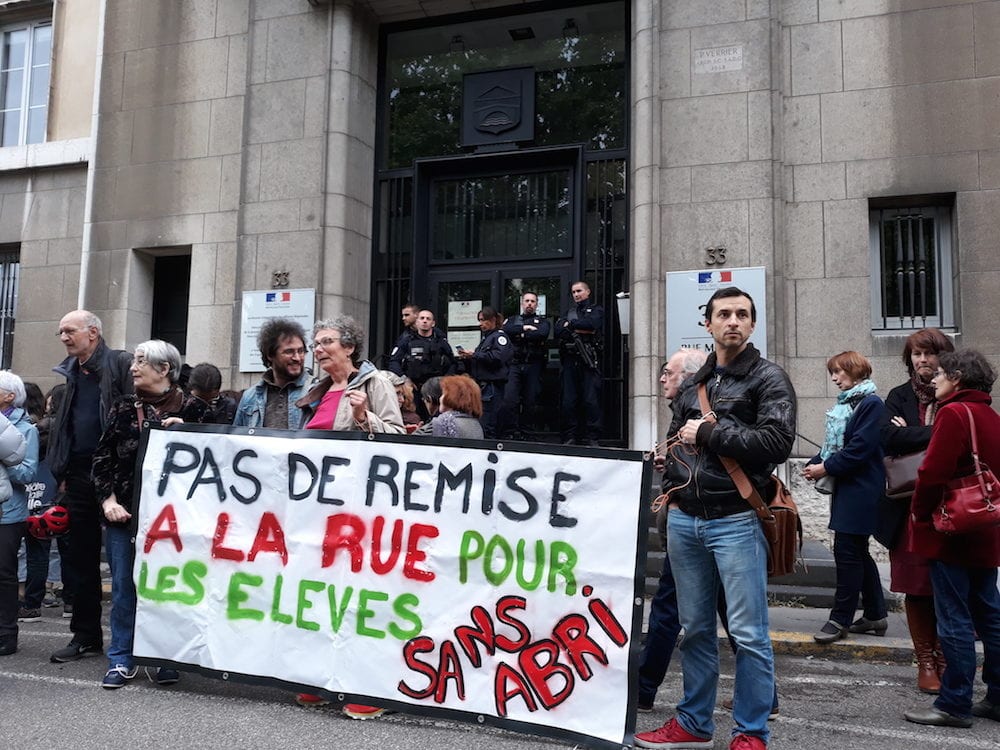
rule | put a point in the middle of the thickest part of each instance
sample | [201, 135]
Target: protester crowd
[68, 460]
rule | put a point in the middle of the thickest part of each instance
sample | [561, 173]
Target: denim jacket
[250, 412]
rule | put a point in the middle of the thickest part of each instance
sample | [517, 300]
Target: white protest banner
[485, 584]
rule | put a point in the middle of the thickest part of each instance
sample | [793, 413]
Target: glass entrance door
[459, 295]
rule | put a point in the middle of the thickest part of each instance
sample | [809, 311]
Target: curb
[856, 648]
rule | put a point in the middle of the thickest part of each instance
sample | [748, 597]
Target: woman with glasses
[963, 567]
[353, 395]
[155, 369]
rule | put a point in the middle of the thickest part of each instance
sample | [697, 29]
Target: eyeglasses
[323, 343]
[300, 352]
[139, 362]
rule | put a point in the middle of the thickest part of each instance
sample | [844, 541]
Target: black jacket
[529, 346]
[116, 380]
[754, 403]
[489, 363]
[422, 357]
[898, 441]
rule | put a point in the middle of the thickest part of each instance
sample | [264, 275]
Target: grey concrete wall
[884, 99]
[705, 166]
[43, 211]
[169, 159]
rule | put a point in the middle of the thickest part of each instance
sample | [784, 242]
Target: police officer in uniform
[422, 353]
[488, 366]
[529, 332]
[579, 335]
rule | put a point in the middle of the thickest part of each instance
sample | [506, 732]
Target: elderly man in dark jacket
[714, 538]
[95, 376]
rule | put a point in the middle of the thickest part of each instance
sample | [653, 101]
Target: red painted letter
[218, 551]
[270, 538]
[571, 632]
[419, 645]
[343, 530]
[395, 545]
[157, 531]
[539, 674]
[415, 555]
[502, 694]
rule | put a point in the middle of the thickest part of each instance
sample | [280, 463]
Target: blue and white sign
[686, 295]
[261, 306]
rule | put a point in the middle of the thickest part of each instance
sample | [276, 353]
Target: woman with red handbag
[909, 413]
[963, 566]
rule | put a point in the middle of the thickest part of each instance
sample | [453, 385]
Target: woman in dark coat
[158, 399]
[852, 455]
[909, 413]
[963, 567]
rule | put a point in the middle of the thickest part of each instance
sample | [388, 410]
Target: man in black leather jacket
[714, 537]
[95, 376]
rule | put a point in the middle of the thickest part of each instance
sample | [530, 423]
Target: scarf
[156, 404]
[839, 415]
[925, 397]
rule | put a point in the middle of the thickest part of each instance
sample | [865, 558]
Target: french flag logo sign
[710, 277]
[278, 297]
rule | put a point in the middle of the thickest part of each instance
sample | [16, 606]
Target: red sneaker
[309, 700]
[747, 742]
[672, 736]
[357, 711]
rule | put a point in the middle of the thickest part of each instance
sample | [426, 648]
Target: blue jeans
[37, 553]
[705, 554]
[661, 638]
[121, 553]
[966, 598]
[857, 576]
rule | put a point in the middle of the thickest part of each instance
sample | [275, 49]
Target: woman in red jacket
[963, 566]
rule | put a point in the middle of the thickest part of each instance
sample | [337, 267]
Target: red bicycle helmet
[53, 522]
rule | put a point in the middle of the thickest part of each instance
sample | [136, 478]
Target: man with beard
[271, 402]
[714, 538]
[529, 332]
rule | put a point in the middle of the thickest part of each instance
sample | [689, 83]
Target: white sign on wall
[687, 293]
[440, 577]
[261, 306]
[718, 59]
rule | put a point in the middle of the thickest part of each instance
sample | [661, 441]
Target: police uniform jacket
[490, 360]
[584, 317]
[422, 357]
[529, 346]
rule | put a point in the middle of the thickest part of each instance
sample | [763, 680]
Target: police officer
[579, 335]
[422, 353]
[488, 366]
[529, 332]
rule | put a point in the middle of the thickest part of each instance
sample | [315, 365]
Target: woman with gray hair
[353, 395]
[155, 370]
[18, 461]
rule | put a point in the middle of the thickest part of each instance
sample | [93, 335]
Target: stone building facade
[847, 146]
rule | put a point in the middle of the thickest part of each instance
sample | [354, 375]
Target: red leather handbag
[969, 503]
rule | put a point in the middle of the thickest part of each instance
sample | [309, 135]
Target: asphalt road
[849, 705]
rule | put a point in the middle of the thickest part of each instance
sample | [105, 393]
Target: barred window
[911, 268]
[10, 265]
